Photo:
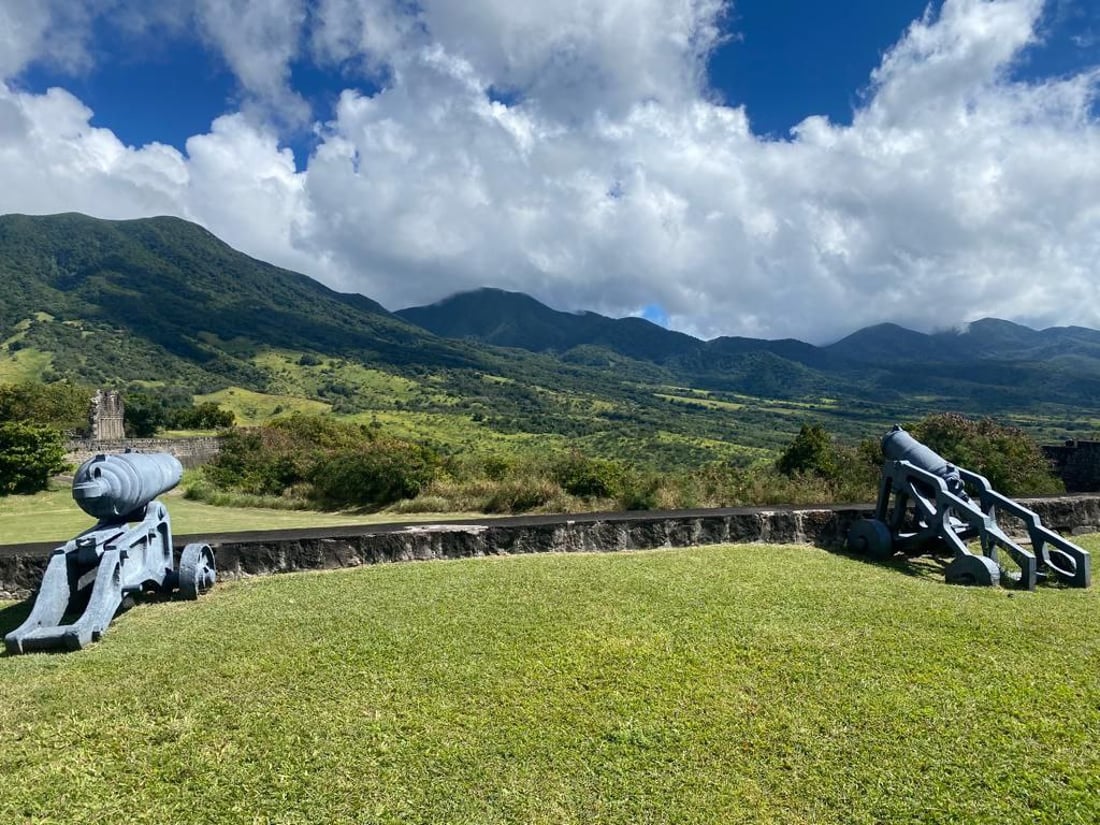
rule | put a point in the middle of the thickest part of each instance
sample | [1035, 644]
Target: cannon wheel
[871, 537]
[196, 573]
[973, 571]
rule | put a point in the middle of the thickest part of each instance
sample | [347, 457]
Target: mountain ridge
[464, 315]
[163, 301]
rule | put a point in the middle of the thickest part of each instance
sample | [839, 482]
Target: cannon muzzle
[111, 487]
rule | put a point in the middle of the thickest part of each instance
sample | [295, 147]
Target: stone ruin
[106, 416]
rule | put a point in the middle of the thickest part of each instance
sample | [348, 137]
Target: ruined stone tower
[105, 415]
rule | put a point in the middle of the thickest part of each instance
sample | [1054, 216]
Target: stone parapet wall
[190, 451]
[1077, 463]
[253, 554]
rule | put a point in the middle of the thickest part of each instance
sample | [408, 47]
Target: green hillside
[161, 302]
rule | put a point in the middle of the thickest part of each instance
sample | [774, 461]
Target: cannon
[129, 551]
[924, 507]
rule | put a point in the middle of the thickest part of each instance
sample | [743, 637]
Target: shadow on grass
[930, 568]
[13, 616]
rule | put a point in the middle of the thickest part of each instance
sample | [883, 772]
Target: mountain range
[1015, 362]
[161, 301]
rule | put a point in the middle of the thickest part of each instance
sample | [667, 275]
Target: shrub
[1007, 456]
[519, 495]
[379, 473]
[329, 462]
[589, 477]
[29, 455]
[640, 491]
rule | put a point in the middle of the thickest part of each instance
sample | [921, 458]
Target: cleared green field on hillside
[720, 684]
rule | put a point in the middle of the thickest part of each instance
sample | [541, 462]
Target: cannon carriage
[129, 550]
[923, 507]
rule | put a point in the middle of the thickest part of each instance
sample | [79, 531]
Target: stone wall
[21, 566]
[190, 451]
[1077, 463]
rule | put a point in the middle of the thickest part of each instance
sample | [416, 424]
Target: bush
[249, 462]
[376, 474]
[589, 477]
[1007, 456]
[330, 463]
[29, 455]
[641, 491]
[519, 495]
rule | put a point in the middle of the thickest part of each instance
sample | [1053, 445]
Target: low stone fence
[253, 554]
[190, 451]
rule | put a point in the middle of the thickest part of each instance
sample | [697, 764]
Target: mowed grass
[54, 516]
[711, 685]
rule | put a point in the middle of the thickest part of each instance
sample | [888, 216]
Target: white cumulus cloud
[571, 149]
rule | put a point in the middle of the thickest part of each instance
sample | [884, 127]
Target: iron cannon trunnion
[127, 552]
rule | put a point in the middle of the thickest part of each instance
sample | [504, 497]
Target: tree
[205, 416]
[811, 453]
[61, 406]
[143, 415]
[29, 455]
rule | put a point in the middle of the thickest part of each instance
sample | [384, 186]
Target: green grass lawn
[54, 516]
[720, 684]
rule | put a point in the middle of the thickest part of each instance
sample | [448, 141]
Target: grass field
[710, 685]
[53, 516]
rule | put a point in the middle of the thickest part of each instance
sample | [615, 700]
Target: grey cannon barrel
[898, 445]
[92, 577]
[112, 487]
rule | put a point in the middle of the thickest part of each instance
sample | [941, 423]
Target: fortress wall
[190, 451]
[22, 566]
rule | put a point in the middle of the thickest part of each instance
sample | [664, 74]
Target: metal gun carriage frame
[129, 551]
[923, 507]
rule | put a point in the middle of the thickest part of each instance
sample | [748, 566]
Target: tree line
[324, 462]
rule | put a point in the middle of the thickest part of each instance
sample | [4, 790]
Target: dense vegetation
[319, 461]
[149, 411]
[36, 419]
[200, 336]
[60, 406]
[33, 421]
[1012, 461]
[29, 455]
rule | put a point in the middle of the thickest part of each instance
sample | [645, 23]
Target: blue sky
[784, 60]
[647, 157]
